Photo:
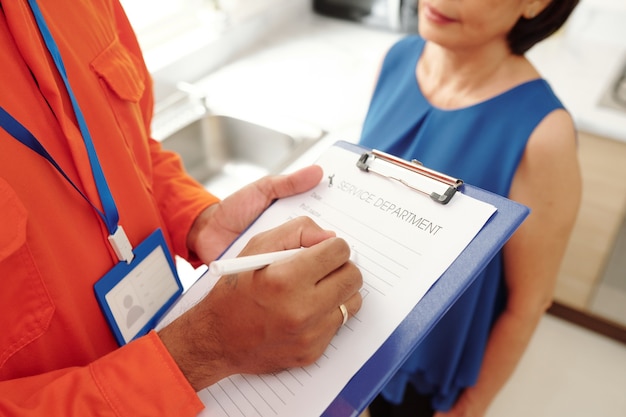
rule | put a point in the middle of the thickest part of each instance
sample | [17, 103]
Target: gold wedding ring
[344, 313]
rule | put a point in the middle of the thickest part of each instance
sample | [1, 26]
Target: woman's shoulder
[519, 81]
[404, 52]
[536, 94]
[409, 43]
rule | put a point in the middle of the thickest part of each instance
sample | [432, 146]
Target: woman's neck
[454, 78]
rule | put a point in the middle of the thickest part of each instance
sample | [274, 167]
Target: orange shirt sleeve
[180, 198]
[114, 385]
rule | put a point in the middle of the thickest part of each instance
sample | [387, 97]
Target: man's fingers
[296, 233]
[336, 280]
[349, 308]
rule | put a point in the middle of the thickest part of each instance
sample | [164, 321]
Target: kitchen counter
[318, 70]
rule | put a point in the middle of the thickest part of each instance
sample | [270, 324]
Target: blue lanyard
[110, 215]
[19, 132]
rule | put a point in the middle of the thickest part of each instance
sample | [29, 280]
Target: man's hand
[275, 318]
[220, 224]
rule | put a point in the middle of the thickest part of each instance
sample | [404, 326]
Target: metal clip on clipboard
[364, 164]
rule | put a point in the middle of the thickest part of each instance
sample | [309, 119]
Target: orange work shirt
[58, 356]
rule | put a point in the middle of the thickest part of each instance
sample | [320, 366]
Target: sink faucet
[194, 93]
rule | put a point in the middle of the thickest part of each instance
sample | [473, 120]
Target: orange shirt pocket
[27, 306]
[116, 66]
[123, 80]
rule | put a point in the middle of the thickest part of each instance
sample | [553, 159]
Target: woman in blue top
[462, 98]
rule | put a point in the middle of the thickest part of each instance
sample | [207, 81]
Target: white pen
[248, 263]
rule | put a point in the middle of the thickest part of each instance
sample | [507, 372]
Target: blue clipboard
[379, 369]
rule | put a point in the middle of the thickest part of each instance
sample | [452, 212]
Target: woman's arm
[548, 181]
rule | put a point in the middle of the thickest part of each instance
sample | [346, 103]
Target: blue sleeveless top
[481, 144]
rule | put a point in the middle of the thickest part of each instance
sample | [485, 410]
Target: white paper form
[402, 242]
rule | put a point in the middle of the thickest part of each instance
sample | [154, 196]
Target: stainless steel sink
[225, 153]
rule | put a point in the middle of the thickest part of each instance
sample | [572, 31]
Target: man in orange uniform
[58, 356]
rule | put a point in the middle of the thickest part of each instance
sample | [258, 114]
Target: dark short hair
[527, 32]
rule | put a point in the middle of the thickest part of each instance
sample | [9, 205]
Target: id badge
[133, 296]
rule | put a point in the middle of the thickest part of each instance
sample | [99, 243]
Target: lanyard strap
[19, 132]
[110, 215]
